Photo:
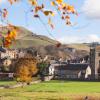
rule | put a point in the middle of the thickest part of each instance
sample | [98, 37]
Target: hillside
[27, 39]
[80, 46]
[46, 46]
[62, 52]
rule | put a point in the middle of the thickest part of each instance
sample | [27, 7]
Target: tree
[25, 68]
[43, 69]
[6, 65]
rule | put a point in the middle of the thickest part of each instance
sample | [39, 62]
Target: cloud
[91, 8]
[80, 39]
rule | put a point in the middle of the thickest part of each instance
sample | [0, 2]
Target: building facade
[70, 71]
[9, 53]
[95, 62]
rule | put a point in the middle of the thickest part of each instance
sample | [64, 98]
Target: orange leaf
[53, 3]
[59, 1]
[47, 13]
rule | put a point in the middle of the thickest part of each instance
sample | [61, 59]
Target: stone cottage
[70, 71]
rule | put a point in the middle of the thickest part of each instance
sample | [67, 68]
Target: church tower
[95, 61]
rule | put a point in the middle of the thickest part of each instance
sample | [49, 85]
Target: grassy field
[53, 90]
[7, 83]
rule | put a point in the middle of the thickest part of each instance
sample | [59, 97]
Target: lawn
[54, 90]
[7, 82]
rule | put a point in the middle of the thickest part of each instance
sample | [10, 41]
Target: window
[99, 54]
[99, 69]
[99, 63]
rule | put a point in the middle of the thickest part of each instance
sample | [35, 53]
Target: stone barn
[70, 71]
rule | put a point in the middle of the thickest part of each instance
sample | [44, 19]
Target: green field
[53, 90]
[7, 83]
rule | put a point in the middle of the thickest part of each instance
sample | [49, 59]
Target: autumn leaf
[63, 17]
[68, 22]
[38, 8]
[50, 23]
[12, 1]
[70, 9]
[42, 6]
[36, 16]
[5, 13]
[59, 1]
[47, 13]
[53, 3]
[33, 2]
[67, 17]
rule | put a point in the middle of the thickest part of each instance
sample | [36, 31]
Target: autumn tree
[25, 68]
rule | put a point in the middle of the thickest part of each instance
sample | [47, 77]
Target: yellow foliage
[11, 35]
[25, 69]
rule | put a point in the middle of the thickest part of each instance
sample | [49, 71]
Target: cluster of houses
[12, 54]
[84, 70]
[7, 57]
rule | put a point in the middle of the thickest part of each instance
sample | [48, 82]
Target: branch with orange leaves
[64, 10]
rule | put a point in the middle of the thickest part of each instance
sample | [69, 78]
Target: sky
[86, 26]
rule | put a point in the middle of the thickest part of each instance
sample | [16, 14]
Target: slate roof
[72, 67]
